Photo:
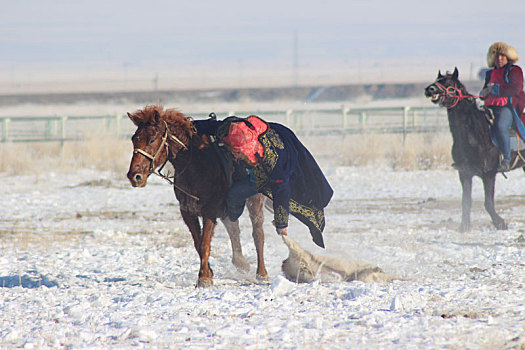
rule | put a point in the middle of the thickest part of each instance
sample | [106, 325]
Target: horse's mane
[460, 85]
[153, 114]
[463, 88]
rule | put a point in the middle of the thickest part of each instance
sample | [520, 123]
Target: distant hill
[302, 93]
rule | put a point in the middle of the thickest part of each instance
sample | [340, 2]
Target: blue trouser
[236, 197]
[500, 129]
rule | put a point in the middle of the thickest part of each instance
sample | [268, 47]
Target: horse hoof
[501, 225]
[262, 279]
[241, 264]
[204, 284]
[464, 228]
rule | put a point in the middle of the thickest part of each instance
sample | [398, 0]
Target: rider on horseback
[503, 94]
[280, 167]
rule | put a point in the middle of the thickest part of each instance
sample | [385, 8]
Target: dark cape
[290, 176]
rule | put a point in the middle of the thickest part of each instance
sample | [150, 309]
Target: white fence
[311, 122]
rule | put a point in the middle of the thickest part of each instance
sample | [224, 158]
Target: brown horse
[473, 152]
[199, 182]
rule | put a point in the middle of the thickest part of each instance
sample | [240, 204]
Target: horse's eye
[151, 142]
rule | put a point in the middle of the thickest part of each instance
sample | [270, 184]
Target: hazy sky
[167, 44]
[138, 32]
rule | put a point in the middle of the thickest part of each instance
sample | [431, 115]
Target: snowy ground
[89, 262]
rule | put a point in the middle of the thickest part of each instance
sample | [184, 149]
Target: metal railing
[57, 128]
[310, 122]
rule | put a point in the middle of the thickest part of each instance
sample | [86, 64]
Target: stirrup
[504, 166]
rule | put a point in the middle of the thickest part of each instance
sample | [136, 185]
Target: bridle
[153, 157]
[164, 144]
[451, 92]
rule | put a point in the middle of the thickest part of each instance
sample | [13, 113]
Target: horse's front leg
[466, 201]
[489, 184]
[255, 206]
[205, 272]
[238, 259]
[192, 221]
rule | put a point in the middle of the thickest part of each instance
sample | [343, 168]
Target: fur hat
[501, 48]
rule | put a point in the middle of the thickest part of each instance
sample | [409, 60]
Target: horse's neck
[464, 114]
[184, 156]
[467, 123]
[178, 136]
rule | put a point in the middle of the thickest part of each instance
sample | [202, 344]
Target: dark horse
[473, 152]
[199, 183]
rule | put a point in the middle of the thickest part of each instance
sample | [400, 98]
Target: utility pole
[295, 59]
[156, 82]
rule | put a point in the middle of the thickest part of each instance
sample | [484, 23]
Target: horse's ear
[439, 74]
[455, 74]
[133, 118]
[156, 115]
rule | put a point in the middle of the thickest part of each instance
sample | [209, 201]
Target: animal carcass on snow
[303, 267]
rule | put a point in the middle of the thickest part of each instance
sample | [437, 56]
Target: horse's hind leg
[238, 259]
[255, 206]
[466, 201]
[489, 184]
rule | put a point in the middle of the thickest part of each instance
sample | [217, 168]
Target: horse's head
[150, 148]
[447, 90]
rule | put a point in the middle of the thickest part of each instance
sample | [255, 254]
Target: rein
[172, 182]
[153, 157]
[452, 92]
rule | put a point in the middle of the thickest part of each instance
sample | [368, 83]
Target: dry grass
[106, 152]
[416, 151]
[100, 151]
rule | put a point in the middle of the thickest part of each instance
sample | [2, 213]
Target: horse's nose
[430, 90]
[135, 178]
